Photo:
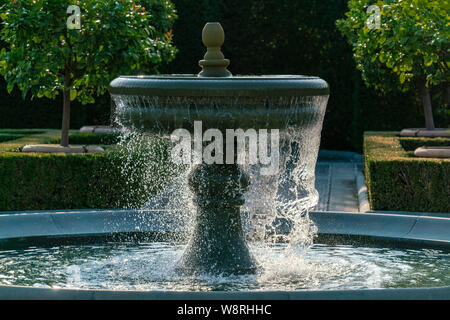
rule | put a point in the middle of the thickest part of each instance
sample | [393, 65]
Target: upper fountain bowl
[163, 103]
[190, 85]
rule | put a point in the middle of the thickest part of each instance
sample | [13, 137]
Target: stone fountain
[288, 103]
[87, 254]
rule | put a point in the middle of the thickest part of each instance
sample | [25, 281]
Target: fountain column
[164, 103]
[218, 244]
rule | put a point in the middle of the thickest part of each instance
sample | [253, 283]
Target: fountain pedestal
[162, 104]
[218, 245]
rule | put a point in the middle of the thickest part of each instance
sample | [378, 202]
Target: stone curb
[392, 227]
[53, 148]
[363, 195]
[98, 129]
[432, 152]
[423, 132]
[414, 213]
[30, 293]
[431, 230]
[83, 222]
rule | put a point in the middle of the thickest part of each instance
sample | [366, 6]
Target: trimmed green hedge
[411, 144]
[115, 179]
[399, 181]
[7, 137]
[91, 138]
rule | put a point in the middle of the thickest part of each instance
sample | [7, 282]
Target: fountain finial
[214, 63]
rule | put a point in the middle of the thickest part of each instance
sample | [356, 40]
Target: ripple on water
[151, 266]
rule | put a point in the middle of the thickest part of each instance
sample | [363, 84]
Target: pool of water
[151, 266]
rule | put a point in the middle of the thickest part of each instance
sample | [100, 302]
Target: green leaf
[73, 94]
[10, 87]
[412, 42]
[36, 45]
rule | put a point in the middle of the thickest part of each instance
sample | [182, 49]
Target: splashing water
[151, 266]
[276, 207]
[275, 217]
[153, 181]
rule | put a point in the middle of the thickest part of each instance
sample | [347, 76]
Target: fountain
[220, 101]
[252, 212]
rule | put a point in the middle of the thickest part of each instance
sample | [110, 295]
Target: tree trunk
[427, 109]
[66, 111]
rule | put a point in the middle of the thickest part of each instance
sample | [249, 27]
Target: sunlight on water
[286, 196]
[150, 266]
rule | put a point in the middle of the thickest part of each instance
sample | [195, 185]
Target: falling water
[276, 206]
[275, 217]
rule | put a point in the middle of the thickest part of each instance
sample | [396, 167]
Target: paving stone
[336, 185]
[322, 169]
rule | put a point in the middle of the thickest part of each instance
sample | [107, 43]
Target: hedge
[399, 181]
[91, 138]
[38, 181]
[7, 137]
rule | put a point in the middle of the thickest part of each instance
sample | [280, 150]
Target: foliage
[163, 15]
[297, 37]
[411, 46]
[289, 36]
[399, 181]
[115, 179]
[8, 137]
[115, 38]
[412, 143]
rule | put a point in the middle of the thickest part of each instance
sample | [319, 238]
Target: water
[150, 266]
[289, 194]
[286, 196]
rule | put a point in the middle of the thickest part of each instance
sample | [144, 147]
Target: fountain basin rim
[33, 293]
[189, 76]
[432, 231]
[86, 222]
[246, 86]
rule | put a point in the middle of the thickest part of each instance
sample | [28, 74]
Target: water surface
[151, 266]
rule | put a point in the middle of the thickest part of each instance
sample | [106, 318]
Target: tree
[410, 50]
[44, 57]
